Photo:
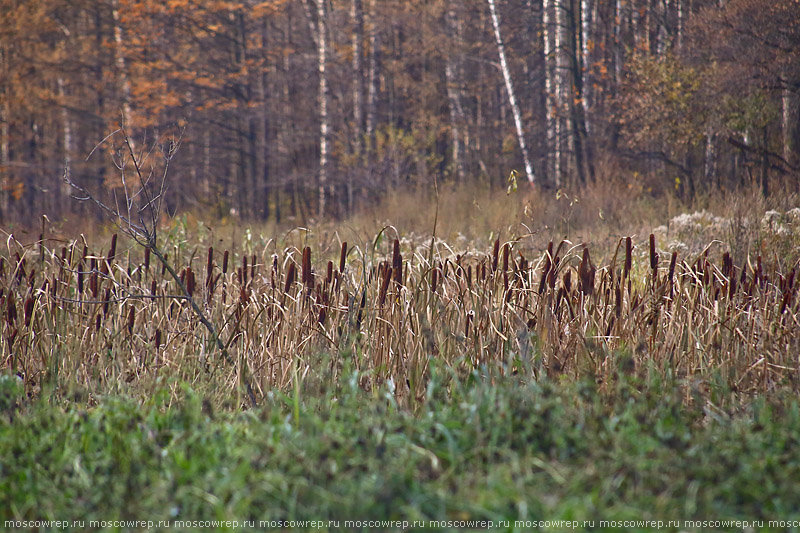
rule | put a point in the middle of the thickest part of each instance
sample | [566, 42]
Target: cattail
[112, 252]
[653, 254]
[157, 339]
[28, 310]
[106, 301]
[290, 275]
[147, 258]
[396, 258]
[2, 267]
[97, 322]
[93, 282]
[567, 281]
[343, 257]
[495, 254]
[434, 278]
[307, 274]
[469, 276]
[672, 263]
[505, 257]
[164, 265]
[397, 271]
[80, 279]
[210, 269]
[467, 324]
[190, 281]
[182, 277]
[545, 271]
[253, 267]
[618, 300]
[153, 288]
[385, 285]
[11, 309]
[329, 273]
[225, 262]
[628, 258]
[243, 279]
[131, 319]
[239, 276]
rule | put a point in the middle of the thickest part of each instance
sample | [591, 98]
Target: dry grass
[293, 314]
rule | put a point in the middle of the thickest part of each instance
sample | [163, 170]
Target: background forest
[317, 107]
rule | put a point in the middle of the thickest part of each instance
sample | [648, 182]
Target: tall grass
[81, 322]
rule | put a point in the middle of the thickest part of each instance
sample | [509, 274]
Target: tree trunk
[357, 14]
[453, 82]
[791, 118]
[322, 54]
[372, 92]
[119, 60]
[549, 85]
[510, 90]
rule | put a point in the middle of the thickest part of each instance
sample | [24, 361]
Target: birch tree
[512, 100]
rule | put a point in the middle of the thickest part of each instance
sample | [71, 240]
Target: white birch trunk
[122, 71]
[586, 63]
[322, 54]
[357, 15]
[549, 83]
[510, 90]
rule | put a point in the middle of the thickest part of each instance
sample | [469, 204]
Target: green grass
[478, 448]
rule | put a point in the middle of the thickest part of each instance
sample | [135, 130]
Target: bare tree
[137, 209]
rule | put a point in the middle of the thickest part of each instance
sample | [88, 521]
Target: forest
[285, 110]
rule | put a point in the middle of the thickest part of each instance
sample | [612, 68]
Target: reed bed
[83, 322]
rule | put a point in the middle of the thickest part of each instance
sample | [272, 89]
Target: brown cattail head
[396, 259]
[28, 310]
[106, 302]
[290, 276]
[93, 282]
[253, 267]
[112, 252]
[210, 268]
[672, 262]
[628, 258]
[387, 276]
[546, 270]
[131, 319]
[397, 271]
[244, 270]
[329, 273]
[434, 278]
[495, 254]
[153, 288]
[225, 262]
[190, 281]
[505, 257]
[586, 273]
[307, 275]
[11, 309]
[147, 258]
[653, 254]
[343, 257]
[157, 339]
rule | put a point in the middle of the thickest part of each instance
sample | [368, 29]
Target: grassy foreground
[478, 449]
